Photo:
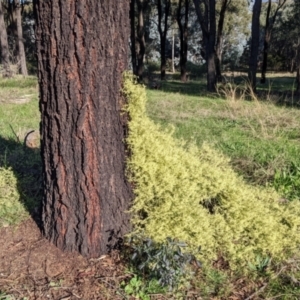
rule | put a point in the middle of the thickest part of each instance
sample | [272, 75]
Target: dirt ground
[32, 268]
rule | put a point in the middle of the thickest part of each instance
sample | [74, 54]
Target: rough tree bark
[4, 45]
[254, 47]
[163, 34]
[19, 38]
[183, 33]
[82, 52]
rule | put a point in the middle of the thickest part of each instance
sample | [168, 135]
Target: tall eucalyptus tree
[82, 51]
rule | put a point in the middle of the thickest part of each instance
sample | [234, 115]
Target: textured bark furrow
[82, 52]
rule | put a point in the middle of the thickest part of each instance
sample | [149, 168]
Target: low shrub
[165, 262]
[192, 194]
[11, 208]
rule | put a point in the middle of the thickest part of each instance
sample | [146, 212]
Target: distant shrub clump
[11, 209]
[192, 194]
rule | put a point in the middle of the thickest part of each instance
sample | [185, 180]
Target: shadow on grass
[191, 88]
[27, 168]
[279, 89]
[195, 86]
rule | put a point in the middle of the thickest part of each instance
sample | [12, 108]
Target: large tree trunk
[19, 37]
[133, 37]
[141, 38]
[254, 47]
[82, 52]
[183, 33]
[4, 45]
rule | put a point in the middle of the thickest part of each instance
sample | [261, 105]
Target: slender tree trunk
[298, 69]
[4, 45]
[268, 31]
[254, 44]
[133, 37]
[82, 52]
[141, 38]
[183, 33]
[203, 21]
[163, 34]
[19, 37]
[207, 22]
[266, 44]
[220, 39]
[164, 39]
[173, 51]
[210, 49]
[298, 81]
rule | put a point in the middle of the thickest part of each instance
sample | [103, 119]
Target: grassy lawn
[19, 115]
[261, 137]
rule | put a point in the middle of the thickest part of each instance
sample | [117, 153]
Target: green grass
[19, 166]
[261, 138]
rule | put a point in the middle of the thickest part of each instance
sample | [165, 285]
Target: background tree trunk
[266, 44]
[298, 81]
[268, 32]
[173, 51]
[207, 20]
[133, 37]
[203, 21]
[298, 69]
[141, 38]
[19, 37]
[254, 47]
[220, 39]
[163, 34]
[210, 49]
[4, 45]
[183, 33]
[82, 52]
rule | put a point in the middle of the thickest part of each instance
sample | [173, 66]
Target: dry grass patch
[263, 118]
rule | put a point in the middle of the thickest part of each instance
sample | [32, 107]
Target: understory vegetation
[217, 187]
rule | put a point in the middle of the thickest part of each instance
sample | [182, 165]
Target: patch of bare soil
[8, 99]
[32, 268]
